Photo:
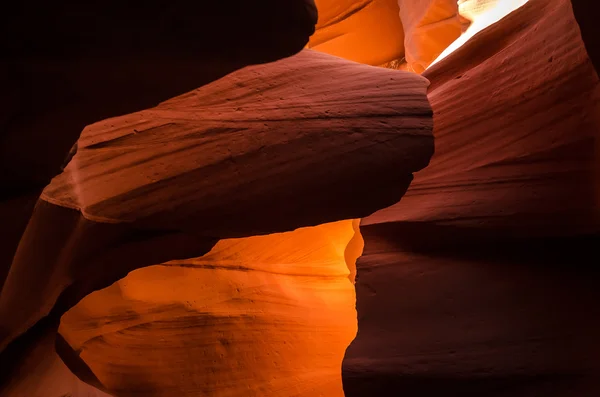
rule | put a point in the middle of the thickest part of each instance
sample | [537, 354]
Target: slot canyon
[300, 198]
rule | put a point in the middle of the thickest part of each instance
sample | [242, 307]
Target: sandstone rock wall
[481, 281]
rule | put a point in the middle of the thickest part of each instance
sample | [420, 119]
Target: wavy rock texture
[65, 67]
[288, 118]
[258, 316]
[267, 149]
[478, 283]
[400, 34]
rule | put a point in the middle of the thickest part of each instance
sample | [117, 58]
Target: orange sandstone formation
[266, 149]
[400, 34]
[257, 316]
[365, 31]
[165, 256]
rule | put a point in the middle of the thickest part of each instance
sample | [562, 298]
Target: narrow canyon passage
[287, 229]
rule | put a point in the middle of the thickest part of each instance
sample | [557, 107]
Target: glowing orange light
[273, 312]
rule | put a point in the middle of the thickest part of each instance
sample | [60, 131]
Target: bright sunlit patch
[482, 13]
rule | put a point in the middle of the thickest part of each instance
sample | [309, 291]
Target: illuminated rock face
[258, 316]
[478, 282]
[401, 34]
[267, 149]
[365, 31]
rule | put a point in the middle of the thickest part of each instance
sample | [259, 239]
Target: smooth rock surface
[365, 31]
[399, 34]
[482, 280]
[258, 316]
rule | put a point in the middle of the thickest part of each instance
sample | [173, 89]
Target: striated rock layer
[267, 149]
[481, 281]
[189, 160]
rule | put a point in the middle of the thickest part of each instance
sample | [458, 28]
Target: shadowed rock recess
[218, 199]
